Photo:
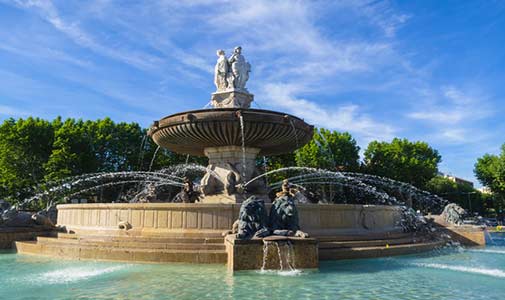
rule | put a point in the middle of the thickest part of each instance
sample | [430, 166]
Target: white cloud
[344, 118]
[49, 12]
[453, 114]
[451, 107]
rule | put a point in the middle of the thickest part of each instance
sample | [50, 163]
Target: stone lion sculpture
[252, 219]
[284, 217]
[14, 218]
[453, 214]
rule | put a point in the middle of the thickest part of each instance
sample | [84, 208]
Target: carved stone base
[228, 167]
[232, 99]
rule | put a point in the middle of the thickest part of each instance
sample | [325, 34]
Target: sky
[426, 70]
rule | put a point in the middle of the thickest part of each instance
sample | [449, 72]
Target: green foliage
[412, 162]
[330, 150]
[34, 152]
[462, 194]
[276, 162]
[94, 146]
[25, 145]
[490, 171]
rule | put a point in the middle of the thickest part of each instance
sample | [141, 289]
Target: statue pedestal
[228, 167]
[232, 99]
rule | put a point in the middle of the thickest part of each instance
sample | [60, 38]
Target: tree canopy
[490, 171]
[35, 152]
[460, 193]
[330, 150]
[412, 162]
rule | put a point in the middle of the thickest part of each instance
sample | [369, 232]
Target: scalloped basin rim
[190, 132]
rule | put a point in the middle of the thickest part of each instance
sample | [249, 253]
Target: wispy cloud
[12, 111]
[344, 118]
[453, 114]
[72, 30]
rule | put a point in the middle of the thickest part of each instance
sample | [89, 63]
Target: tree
[412, 162]
[490, 171]
[329, 150]
[462, 194]
[25, 145]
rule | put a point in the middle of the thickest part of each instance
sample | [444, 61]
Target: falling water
[266, 245]
[265, 168]
[154, 157]
[285, 253]
[290, 256]
[244, 165]
[207, 105]
[141, 152]
[281, 263]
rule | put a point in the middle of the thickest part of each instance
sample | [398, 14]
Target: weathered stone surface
[315, 219]
[228, 167]
[231, 99]
[192, 132]
[249, 254]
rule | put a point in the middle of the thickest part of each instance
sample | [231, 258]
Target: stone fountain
[231, 134]
[230, 195]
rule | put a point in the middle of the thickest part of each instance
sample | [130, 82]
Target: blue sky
[423, 70]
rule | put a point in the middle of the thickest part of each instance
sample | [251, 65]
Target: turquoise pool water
[444, 274]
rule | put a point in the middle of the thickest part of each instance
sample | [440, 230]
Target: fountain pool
[452, 273]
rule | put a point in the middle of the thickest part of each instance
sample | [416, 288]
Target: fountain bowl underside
[191, 132]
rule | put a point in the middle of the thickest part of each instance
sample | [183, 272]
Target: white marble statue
[233, 73]
[240, 69]
[221, 72]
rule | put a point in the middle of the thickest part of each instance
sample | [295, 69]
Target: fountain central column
[230, 166]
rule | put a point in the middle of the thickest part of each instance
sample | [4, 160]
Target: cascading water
[154, 157]
[373, 189]
[244, 165]
[284, 251]
[141, 152]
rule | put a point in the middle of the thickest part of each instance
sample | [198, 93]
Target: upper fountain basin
[191, 132]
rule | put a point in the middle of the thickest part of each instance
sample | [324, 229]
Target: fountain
[288, 233]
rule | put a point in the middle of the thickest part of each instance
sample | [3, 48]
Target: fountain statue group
[231, 73]
[253, 221]
[230, 77]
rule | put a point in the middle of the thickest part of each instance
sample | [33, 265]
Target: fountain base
[272, 253]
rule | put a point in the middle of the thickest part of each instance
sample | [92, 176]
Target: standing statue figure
[240, 69]
[221, 71]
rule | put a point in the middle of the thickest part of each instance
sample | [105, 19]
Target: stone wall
[9, 235]
[209, 219]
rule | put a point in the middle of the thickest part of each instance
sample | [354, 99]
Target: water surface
[477, 273]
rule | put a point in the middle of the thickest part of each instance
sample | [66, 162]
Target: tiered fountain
[231, 135]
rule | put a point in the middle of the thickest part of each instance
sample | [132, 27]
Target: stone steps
[157, 239]
[131, 244]
[104, 252]
[369, 243]
[364, 237]
[378, 251]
